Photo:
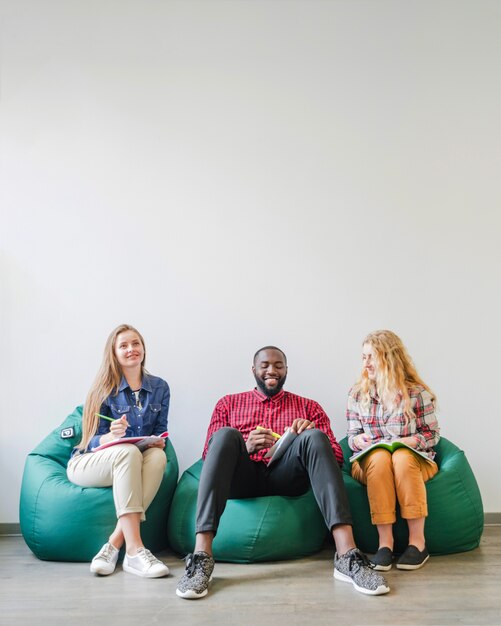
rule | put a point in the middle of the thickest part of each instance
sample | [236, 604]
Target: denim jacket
[150, 419]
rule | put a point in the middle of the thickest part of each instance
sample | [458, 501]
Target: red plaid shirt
[245, 411]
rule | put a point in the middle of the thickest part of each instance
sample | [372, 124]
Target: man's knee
[314, 443]
[315, 438]
[225, 437]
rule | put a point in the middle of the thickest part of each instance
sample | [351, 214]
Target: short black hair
[269, 348]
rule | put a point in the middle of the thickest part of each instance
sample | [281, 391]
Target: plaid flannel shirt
[380, 424]
[245, 411]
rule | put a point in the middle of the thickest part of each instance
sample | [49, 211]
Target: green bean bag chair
[61, 521]
[455, 513]
[268, 528]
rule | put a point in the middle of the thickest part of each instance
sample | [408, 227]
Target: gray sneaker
[355, 568]
[197, 576]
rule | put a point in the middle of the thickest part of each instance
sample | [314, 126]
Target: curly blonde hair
[395, 373]
[106, 383]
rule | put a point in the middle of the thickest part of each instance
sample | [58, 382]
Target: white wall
[225, 175]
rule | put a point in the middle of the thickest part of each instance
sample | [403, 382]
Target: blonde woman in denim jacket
[124, 401]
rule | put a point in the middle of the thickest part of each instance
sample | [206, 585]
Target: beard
[274, 390]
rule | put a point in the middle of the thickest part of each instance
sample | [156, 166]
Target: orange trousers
[390, 477]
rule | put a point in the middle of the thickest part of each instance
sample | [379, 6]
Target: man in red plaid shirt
[242, 429]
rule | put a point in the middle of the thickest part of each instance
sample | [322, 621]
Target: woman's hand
[409, 441]
[259, 439]
[118, 427]
[362, 441]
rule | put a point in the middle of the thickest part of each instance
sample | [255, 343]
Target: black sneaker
[412, 558]
[382, 560]
[355, 568]
[197, 576]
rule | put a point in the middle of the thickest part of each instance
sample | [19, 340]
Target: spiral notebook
[141, 442]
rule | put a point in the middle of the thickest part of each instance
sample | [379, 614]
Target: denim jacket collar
[145, 384]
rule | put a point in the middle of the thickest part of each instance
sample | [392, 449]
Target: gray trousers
[228, 472]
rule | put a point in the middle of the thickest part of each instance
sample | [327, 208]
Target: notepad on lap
[391, 446]
[141, 442]
[277, 450]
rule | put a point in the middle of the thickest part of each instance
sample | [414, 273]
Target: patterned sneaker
[412, 558]
[145, 564]
[382, 560]
[105, 561]
[354, 567]
[197, 576]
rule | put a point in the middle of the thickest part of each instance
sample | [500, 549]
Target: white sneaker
[105, 561]
[144, 564]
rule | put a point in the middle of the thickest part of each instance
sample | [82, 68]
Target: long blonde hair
[106, 383]
[396, 374]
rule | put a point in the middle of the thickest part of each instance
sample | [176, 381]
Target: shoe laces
[191, 564]
[107, 553]
[194, 561]
[360, 560]
[147, 556]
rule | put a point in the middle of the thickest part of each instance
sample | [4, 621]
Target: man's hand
[298, 425]
[259, 439]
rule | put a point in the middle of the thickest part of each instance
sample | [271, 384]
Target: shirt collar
[374, 394]
[123, 384]
[263, 397]
[145, 384]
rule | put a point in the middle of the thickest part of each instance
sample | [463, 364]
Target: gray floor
[456, 589]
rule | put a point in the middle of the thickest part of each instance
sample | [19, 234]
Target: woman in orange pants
[391, 403]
